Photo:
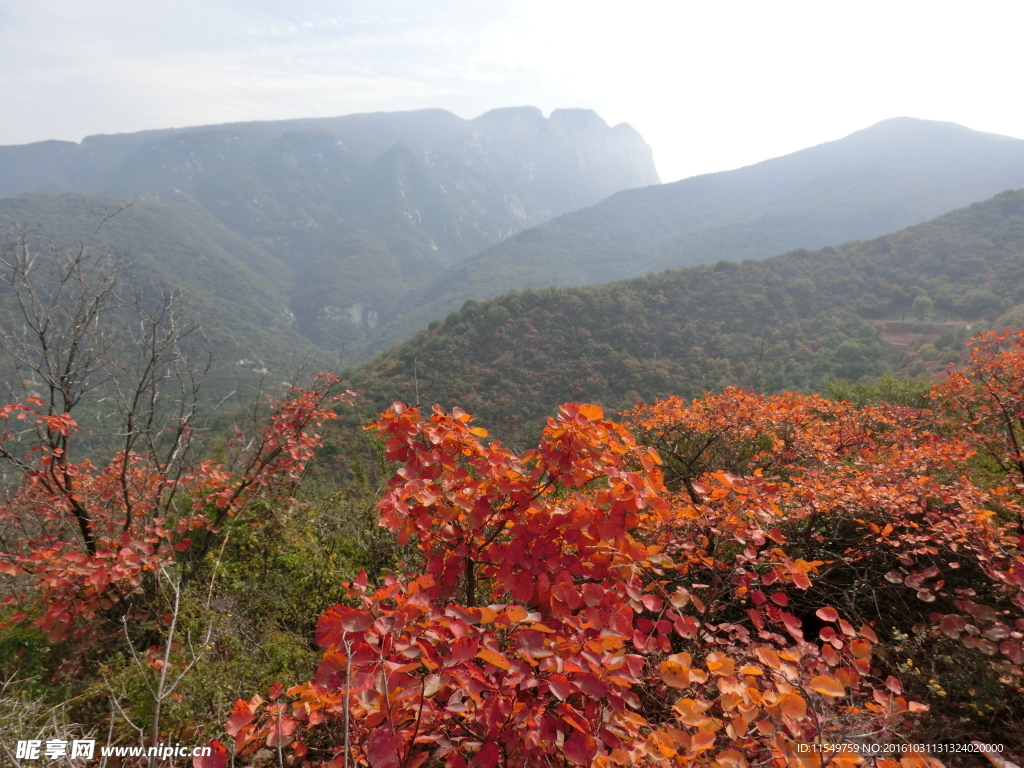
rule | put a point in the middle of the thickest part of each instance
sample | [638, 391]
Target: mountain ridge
[360, 208]
[880, 179]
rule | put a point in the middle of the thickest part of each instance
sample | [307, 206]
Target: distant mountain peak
[578, 118]
[531, 115]
[916, 129]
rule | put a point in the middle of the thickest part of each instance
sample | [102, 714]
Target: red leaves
[111, 522]
[217, 758]
[462, 649]
[280, 728]
[338, 622]
[579, 748]
[566, 593]
[382, 748]
[241, 715]
[425, 660]
[559, 686]
[793, 625]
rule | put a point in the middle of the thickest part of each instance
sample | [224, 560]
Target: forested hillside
[896, 173]
[359, 209]
[235, 290]
[900, 303]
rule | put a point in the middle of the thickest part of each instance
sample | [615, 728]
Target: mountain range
[883, 178]
[360, 209]
[334, 239]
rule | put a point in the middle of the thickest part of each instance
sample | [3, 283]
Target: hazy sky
[711, 85]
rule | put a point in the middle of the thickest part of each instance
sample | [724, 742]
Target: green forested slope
[238, 292]
[891, 175]
[791, 321]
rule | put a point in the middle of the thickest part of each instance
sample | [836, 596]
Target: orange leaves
[792, 705]
[516, 613]
[691, 712]
[731, 758]
[495, 658]
[827, 614]
[861, 649]
[827, 685]
[676, 671]
[769, 657]
[719, 664]
[675, 674]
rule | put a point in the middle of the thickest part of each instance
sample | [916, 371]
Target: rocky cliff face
[362, 209]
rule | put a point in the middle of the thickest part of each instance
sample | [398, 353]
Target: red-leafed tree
[77, 536]
[78, 539]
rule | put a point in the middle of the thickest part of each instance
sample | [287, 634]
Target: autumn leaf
[827, 686]
[827, 614]
[860, 649]
[719, 664]
[241, 715]
[580, 748]
[675, 674]
[793, 705]
[702, 741]
[495, 658]
[559, 686]
[336, 623]
[217, 758]
[769, 657]
[731, 758]
[516, 613]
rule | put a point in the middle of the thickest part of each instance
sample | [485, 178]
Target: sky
[711, 85]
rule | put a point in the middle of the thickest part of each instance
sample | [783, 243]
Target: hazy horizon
[709, 88]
